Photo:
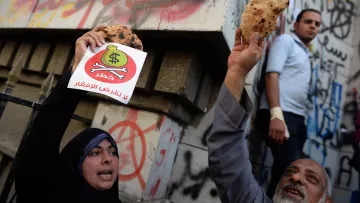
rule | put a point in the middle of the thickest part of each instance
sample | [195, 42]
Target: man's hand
[90, 38]
[277, 130]
[242, 59]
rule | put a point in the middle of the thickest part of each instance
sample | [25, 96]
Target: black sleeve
[37, 157]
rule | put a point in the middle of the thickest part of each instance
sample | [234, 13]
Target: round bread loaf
[260, 16]
[122, 35]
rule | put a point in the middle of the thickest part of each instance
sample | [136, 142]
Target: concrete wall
[182, 15]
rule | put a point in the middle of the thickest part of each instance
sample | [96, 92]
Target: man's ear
[296, 25]
[328, 200]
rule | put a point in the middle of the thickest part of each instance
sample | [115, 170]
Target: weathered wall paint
[233, 13]
[160, 172]
[190, 177]
[142, 14]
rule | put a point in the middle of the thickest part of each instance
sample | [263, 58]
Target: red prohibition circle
[94, 66]
[140, 134]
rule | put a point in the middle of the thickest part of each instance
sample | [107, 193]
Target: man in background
[281, 115]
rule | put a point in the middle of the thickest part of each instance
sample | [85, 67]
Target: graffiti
[27, 4]
[67, 8]
[155, 188]
[352, 136]
[160, 157]
[343, 170]
[206, 135]
[200, 179]
[341, 15]
[332, 50]
[129, 156]
[130, 12]
[338, 16]
[163, 160]
[135, 13]
[354, 77]
[325, 116]
[323, 121]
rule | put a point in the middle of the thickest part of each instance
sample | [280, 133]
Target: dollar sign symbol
[113, 58]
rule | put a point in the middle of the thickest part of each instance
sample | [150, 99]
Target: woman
[87, 168]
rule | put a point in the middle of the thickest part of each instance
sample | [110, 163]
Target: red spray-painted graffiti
[167, 138]
[115, 11]
[161, 156]
[136, 12]
[19, 4]
[155, 188]
[129, 154]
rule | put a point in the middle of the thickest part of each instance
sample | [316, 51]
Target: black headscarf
[73, 188]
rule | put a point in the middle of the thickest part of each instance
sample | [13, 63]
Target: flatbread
[260, 16]
[122, 35]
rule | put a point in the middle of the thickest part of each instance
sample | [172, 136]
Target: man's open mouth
[293, 192]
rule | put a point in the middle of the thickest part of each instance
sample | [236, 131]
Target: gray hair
[328, 188]
[328, 185]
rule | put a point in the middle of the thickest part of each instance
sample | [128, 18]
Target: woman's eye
[94, 153]
[113, 152]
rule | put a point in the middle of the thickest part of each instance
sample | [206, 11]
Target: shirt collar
[297, 39]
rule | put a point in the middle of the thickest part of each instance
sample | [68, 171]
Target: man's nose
[313, 25]
[297, 177]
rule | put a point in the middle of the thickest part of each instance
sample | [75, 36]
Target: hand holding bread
[260, 16]
[104, 34]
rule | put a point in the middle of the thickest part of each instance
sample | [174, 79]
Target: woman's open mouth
[106, 175]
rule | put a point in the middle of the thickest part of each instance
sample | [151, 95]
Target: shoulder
[284, 38]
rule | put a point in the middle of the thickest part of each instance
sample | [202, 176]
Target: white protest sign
[113, 70]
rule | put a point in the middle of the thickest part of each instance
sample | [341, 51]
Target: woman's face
[100, 167]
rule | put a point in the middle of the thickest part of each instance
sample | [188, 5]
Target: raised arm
[229, 163]
[37, 157]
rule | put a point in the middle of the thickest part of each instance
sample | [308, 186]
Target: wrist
[237, 72]
[235, 83]
[276, 112]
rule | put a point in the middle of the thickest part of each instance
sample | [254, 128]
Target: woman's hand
[91, 39]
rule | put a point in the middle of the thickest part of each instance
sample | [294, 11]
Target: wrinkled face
[100, 167]
[308, 27]
[303, 182]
